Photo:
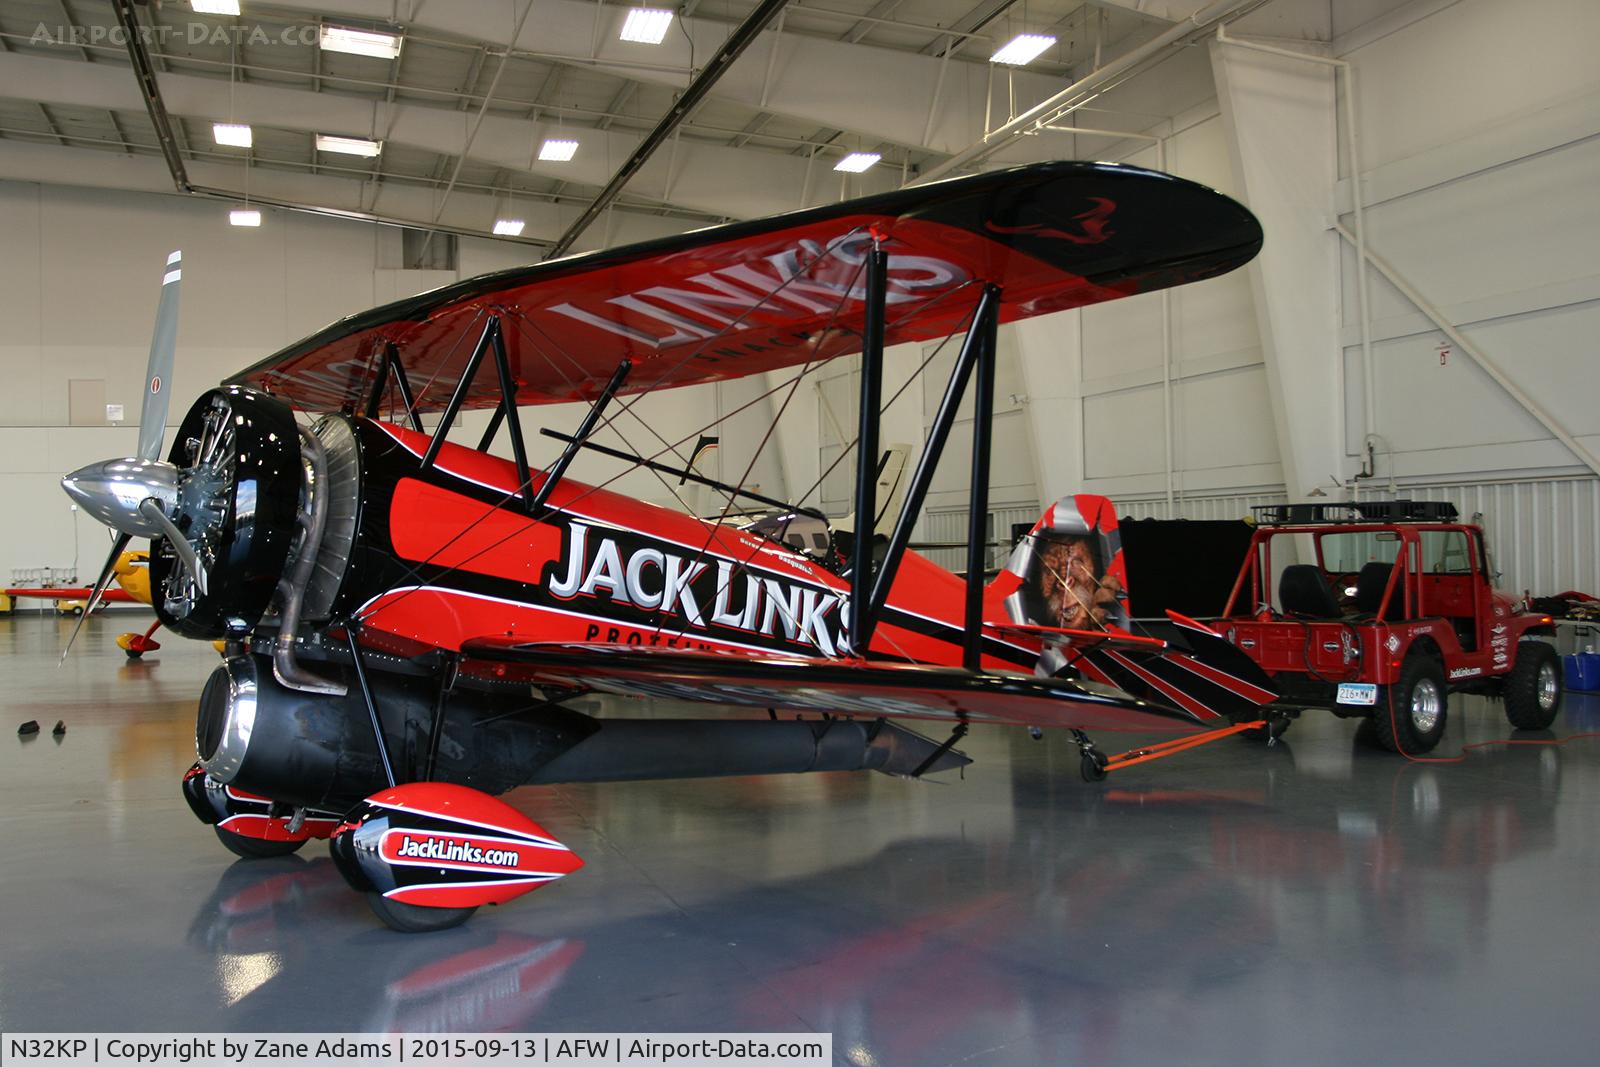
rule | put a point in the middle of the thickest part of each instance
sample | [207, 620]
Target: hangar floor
[1320, 902]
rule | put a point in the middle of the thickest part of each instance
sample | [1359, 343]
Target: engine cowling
[240, 484]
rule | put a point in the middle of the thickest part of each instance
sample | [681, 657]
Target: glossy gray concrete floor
[1321, 902]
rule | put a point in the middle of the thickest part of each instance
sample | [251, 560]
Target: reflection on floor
[1319, 902]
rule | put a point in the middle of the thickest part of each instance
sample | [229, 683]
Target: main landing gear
[429, 854]
[136, 645]
[426, 854]
[252, 826]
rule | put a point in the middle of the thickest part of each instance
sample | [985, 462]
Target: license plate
[1357, 693]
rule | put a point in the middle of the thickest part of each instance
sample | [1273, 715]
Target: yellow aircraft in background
[132, 574]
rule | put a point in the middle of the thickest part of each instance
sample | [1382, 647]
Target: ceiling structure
[479, 85]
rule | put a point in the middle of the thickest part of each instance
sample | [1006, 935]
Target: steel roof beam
[719, 63]
[1130, 63]
[144, 72]
[875, 92]
[710, 177]
[403, 203]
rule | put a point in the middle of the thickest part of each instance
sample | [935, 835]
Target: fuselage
[448, 552]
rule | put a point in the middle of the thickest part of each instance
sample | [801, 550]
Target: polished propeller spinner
[146, 496]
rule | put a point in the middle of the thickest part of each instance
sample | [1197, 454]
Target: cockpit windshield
[803, 533]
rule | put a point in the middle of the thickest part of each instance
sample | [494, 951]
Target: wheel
[1093, 767]
[415, 919]
[132, 653]
[254, 848]
[1533, 688]
[1411, 713]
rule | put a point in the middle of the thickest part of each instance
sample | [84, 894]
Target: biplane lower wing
[813, 684]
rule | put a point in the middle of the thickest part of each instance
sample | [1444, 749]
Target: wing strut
[350, 629]
[971, 349]
[867, 446]
[978, 508]
[389, 368]
[619, 376]
[492, 339]
[977, 352]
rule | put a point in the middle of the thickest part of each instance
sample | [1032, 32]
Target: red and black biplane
[409, 617]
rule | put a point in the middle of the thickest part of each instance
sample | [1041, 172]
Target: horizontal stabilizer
[1199, 672]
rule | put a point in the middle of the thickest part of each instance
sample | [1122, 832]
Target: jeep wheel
[1533, 688]
[1411, 713]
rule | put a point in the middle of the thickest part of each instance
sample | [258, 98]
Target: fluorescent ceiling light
[214, 7]
[244, 217]
[1021, 49]
[558, 151]
[856, 162]
[233, 134]
[508, 227]
[646, 25]
[350, 146]
[360, 42]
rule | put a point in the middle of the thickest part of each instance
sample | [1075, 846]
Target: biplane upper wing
[748, 297]
[814, 684]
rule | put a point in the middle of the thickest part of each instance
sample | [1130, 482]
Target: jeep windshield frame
[1412, 556]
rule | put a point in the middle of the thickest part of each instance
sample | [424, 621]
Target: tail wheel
[414, 918]
[1534, 687]
[254, 848]
[1277, 725]
[1411, 713]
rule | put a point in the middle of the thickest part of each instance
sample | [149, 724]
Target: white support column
[1050, 355]
[1280, 117]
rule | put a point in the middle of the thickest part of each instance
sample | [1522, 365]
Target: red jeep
[1396, 611]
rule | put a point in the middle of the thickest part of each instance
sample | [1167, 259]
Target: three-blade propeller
[135, 496]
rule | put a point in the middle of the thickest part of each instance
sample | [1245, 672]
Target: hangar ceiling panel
[907, 79]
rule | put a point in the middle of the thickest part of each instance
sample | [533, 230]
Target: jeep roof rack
[1350, 511]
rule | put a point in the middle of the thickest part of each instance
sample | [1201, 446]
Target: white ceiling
[909, 79]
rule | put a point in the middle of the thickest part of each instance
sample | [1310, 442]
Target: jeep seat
[1370, 584]
[1303, 591]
